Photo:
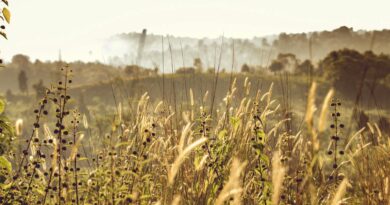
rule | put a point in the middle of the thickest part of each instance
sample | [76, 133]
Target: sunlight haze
[40, 28]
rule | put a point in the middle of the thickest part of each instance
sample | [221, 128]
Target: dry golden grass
[177, 152]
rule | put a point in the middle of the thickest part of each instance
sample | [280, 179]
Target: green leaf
[265, 159]
[5, 125]
[41, 192]
[222, 134]
[146, 176]
[7, 14]
[4, 163]
[122, 144]
[82, 159]
[2, 106]
[144, 197]
[261, 134]
[235, 121]
[6, 186]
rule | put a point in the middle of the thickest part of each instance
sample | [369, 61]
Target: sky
[40, 28]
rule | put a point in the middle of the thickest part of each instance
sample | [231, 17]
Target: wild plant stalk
[216, 78]
[74, 154]
[63, 98]
[36, 126]
[39, 115]
[336, 126]
[310, 69]
[185, 78]
[230, 93]
[278, 172]
[173, 84]
[163, 69]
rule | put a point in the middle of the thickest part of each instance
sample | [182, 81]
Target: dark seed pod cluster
[335, 138]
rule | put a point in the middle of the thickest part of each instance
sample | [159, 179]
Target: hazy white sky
[39, 28]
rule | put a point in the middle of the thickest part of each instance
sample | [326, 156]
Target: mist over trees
[345, 69]
[122, 49]
[316, 45]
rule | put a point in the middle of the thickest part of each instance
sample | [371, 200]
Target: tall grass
[155, 153]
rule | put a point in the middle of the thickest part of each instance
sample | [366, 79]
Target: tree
[198, 65]
[132, 70]
[264, 42]
[289, 61]
[384, 124]
[22, 78]
[9, 95]
[186, 70]
[363, 120]
[210, 70]
[276, 66]
[345, 69]
[284, 61]
[21, 61]
[304, 68]
[245, 68]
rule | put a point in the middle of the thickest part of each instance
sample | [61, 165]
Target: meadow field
[262, 121]
[193, 139]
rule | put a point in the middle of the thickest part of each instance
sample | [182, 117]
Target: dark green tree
[198, 65]
[346, 69]
[245, 68]
[22, 79]
[284, 61]
[384, 124]
[363, 120]
[304, 68]
[21, 61]
[276, 66]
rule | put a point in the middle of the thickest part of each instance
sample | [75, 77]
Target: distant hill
[122, 48]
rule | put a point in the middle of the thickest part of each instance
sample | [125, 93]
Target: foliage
[317, 45]
[141, 152]
[6, 131]
[304, 67]
[6, 134]
[185, 70]
[345, 69]
[5, 16]
[245, 68]
[287, 62]
[22, 79]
